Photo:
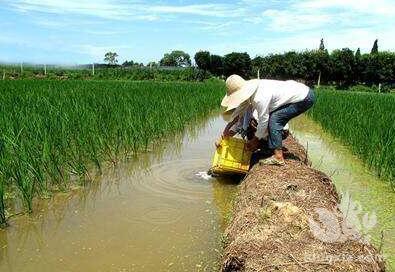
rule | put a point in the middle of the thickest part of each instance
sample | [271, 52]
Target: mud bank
[287, 219]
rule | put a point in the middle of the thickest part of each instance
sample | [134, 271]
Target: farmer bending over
[238, 125]
[275, 102]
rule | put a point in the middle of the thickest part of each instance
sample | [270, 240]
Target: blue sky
[81, 31]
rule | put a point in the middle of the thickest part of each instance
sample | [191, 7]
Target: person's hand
[253, 144]
[228, 129]
[227, 133]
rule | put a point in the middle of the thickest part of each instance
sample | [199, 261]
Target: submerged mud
[288, 219]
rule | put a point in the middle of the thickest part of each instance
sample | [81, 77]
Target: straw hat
[238, 90]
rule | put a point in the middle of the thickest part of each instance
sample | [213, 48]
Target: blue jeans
[281, 116]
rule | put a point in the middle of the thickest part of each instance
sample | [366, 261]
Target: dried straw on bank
[276, 227]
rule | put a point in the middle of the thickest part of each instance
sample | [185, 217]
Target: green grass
[365, 122]
[52, 130]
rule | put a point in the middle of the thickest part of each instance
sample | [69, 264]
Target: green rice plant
[2, 185]
[54, 130]
[365, 122]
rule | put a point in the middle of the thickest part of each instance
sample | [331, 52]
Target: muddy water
[157, 212]
[368, 201]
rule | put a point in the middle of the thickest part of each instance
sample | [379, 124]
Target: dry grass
[270, 229]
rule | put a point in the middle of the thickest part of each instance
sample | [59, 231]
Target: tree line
[342, 67]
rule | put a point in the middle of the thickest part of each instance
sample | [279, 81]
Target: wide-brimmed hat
[238, 90]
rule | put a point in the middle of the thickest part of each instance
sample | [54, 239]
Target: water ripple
[177, 179]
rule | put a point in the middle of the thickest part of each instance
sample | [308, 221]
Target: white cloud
[131, 10]
[377, 7]
[330, 14]
[62, 22]
[253, 19]
[98, 8]
[214, 10]
[292, 20]
[147, 17]
[218, 28]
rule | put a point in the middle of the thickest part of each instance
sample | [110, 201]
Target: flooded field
[368, 201]
[161, 212]
[157, 212]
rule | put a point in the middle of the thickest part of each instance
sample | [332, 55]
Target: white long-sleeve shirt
[272, 94]
[239, 124]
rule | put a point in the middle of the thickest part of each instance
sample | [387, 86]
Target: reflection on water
[364, 196]
[155, 212]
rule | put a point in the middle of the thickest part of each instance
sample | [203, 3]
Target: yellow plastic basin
[231, 157]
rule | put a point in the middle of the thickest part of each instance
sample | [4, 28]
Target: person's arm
[228, 132]
[262, 106]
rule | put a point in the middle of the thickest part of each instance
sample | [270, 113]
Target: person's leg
[280, 117]
[277, 121]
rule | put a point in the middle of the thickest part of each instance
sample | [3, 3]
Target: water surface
[160, 212]
[156, 212]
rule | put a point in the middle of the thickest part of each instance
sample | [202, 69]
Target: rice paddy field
[57, 135]
[363, 121]
[54, 133]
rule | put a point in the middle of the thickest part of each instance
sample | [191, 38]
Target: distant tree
[309, 66]
[358, 53]
[271, 66]
[358, 66]
[341, 67]
[375, 48]
[176, 58]
[167, 60]
[181, 58]
[216, 65]
[322, 46]
[371, 67]
[293, 67]
[129, 63]
[343, 63]
[111, 58]
[386, 64]
[237, 63]
[323, 64]
[256, 64]
[378, 68]
[152, 64]
[203, 60]
[312, 63]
